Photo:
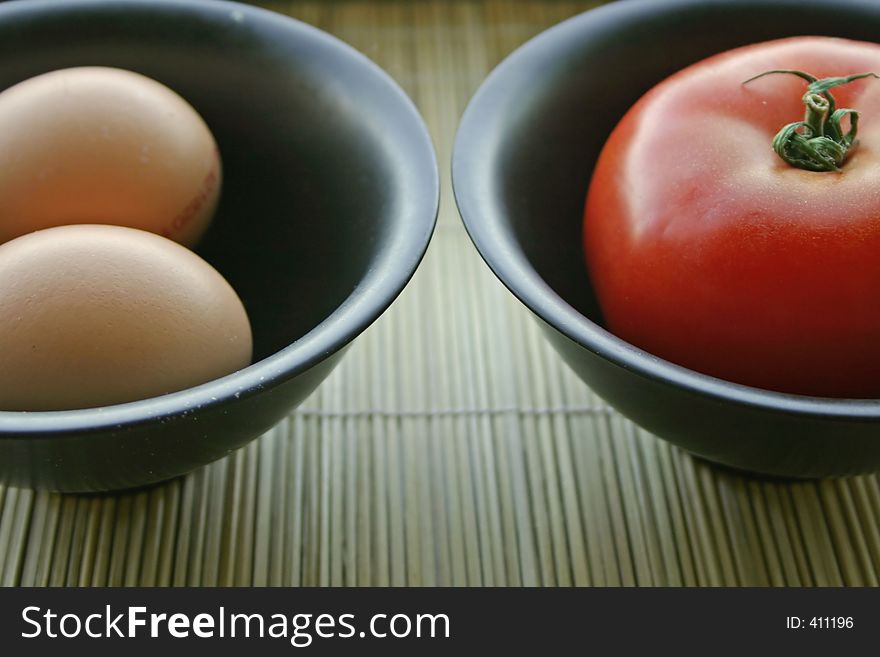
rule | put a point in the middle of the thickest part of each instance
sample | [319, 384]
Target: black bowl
[329, 199]
[522, 161]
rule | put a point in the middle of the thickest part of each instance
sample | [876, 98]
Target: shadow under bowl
[329, 199]
[522, 161]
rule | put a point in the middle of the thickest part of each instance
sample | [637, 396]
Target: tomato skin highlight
[706, 249]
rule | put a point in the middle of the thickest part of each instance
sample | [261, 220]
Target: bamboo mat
[452, 445]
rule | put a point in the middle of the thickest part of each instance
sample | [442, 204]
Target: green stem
[816, 114]
[818, 143]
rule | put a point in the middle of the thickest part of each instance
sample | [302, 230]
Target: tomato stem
[818, 143]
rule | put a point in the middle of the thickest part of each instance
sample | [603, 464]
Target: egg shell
[104, 145]
[92, 315]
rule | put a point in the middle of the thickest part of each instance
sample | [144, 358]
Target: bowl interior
[311, 139]
[531, 135]
[569, 97]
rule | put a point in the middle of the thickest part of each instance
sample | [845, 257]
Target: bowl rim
[375, 292]
[472, 182]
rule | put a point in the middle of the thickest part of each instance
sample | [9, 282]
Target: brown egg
[104, 146]
[94, 315]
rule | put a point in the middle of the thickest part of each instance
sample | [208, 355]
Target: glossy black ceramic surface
[329, 199]
[522, 162]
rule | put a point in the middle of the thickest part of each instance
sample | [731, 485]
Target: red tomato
[707, 249]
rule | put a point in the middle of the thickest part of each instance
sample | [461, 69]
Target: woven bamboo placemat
[452, 445]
